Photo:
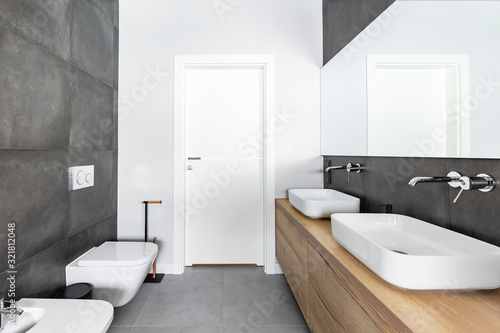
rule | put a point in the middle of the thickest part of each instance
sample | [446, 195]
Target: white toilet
[115, 269]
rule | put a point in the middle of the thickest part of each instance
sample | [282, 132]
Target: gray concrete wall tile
[44, 105]
[116, 40]
[345, 19]
[475, 212]
[34, 96]
[115, 119]
[41, 275]
[116, 16]
[91, 113]
[90, 205]
[107, 7]
[34, 195]
[45, 22]
[93, 236]
[337, 179]
[114, 181]
[92, 41]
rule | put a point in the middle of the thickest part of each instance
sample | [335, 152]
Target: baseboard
[169, 269]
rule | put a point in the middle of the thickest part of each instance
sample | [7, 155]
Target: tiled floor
[213, 300]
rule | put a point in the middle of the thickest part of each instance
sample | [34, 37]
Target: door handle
[194, 158]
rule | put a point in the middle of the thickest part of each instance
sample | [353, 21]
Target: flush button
[80, 177]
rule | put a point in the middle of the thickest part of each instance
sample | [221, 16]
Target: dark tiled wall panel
[45, 22]
[89, 205]
[91, 113]
[345, 19]
[385, 180]
[58, 108]
[35, 198]
[34, 95]
[92, 40]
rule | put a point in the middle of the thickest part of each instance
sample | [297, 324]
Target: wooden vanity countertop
[421, 311]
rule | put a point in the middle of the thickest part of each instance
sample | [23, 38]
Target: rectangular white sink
[414, 254]
[321, 203]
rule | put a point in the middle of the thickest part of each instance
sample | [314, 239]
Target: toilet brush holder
[151, 277]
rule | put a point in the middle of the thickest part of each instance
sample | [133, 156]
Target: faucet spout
[7, 311]
[339, 167]
[414, 181]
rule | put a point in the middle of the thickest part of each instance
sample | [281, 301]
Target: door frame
[179, 235]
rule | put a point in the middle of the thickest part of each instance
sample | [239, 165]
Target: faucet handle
[458, 196]
[353, 167]
[465, 183]
[481, 182]
[455, 178]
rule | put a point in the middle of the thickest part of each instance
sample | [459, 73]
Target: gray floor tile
[120, 329]
[264, 329]
[128, 314]
[176, 329]
[192, 299]
[253, 298]
[216, 300]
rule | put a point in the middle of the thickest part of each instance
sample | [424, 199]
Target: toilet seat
[119, 254]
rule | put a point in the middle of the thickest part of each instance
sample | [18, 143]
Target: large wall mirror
[422, 80]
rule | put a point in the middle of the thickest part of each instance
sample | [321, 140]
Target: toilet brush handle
[146, 217]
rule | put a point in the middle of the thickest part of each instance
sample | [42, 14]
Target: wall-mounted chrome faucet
[481, 182]
[349, 168]
[7, 311]
[452, 178]
[338, 167]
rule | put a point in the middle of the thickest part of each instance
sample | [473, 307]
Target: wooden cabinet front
[295, 272]
[291, 251]
[350, 308]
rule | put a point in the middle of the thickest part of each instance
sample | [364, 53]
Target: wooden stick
[154, 262]
[152, 202]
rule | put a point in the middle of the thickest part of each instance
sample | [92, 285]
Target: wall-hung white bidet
[115, 269]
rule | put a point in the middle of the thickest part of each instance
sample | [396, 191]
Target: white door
[224, 174]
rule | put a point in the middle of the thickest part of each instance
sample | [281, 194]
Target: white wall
[151, 33]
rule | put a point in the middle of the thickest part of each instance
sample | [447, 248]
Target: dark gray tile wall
[58, 108]
[385, 180]
[34, 98]
[45, 22]
[92, 39]
[345, 19]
